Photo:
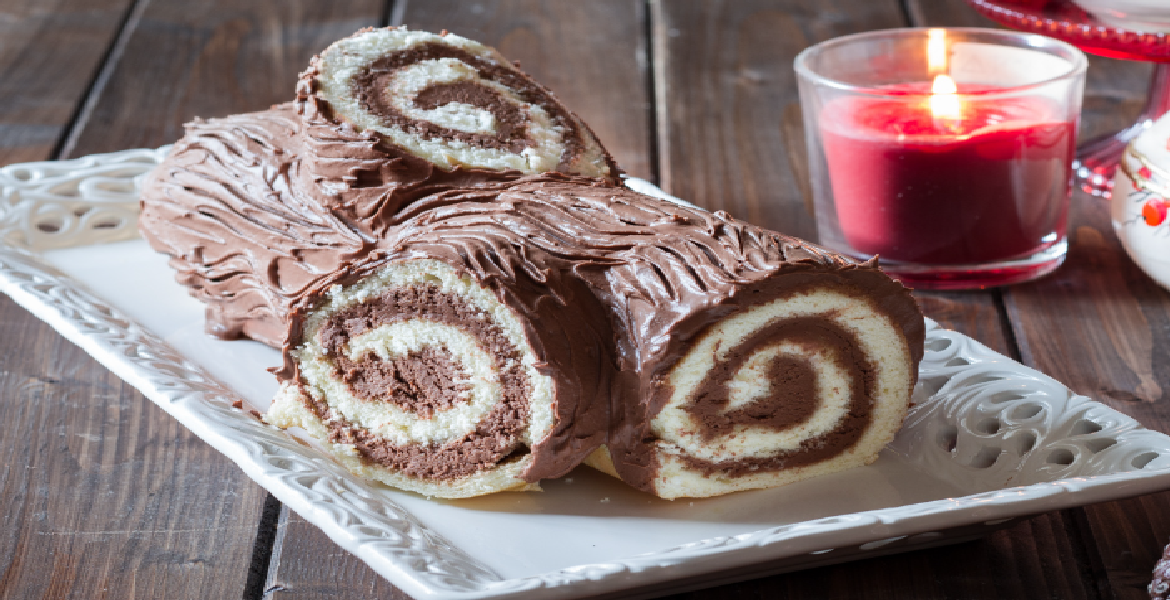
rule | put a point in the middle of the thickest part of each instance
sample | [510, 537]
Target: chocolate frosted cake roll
[448, 113]
[755, 360]
[747, 358]
[729, 357]
[254, 208]
[457, 363]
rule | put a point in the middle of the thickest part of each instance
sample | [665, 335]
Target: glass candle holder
[944, 152]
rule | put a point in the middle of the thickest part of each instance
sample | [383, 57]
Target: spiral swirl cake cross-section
[452, 101]
[445, 112]
[442, 365]
[814, 381]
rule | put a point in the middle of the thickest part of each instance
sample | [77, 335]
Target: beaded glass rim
[1077, 62]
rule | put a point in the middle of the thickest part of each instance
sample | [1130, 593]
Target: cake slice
[457, 361]
[253, 209]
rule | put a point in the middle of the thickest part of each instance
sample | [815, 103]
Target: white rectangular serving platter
[989, 440]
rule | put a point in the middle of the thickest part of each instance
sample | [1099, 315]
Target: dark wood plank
[588, 54]
[101, 491]
[973, 313]
[209, 59]
[50, 52]
[729, 124]
[1098, 325]
[306, 564]
[104, 494]
[1015, 563]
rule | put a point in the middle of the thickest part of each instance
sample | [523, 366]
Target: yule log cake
[457, 328]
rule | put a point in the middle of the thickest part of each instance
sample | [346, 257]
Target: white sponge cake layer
[289, 410]
[680, 433]
[345, 61]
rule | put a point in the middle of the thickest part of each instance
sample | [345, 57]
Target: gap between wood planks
[647, 16]
[101, 77]
[262, 550]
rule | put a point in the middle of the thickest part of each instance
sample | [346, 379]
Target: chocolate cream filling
[791, 401]
[371, 88]
[421, 382]
[493, 440]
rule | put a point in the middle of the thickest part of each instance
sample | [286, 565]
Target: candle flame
[945, 106]
[936, 51]
[944, 99]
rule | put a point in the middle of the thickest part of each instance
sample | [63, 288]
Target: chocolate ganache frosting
[244, 234]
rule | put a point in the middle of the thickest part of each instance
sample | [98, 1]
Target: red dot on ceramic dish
[1145, 171]
[1154, 211]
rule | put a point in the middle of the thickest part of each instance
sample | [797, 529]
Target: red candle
[984, 183]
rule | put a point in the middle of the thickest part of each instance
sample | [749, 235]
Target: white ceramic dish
[1141, 201]
[989, 439]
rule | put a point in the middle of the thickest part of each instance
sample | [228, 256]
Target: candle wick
[945, 106]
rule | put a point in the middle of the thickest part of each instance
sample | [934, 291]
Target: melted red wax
[911, 187]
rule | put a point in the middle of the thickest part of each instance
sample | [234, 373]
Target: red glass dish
[1062, 19]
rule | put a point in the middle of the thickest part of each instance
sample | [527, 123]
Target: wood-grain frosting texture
[737, 357]
[253, 208]
[242, 222]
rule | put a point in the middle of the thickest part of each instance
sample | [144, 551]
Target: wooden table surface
[102, 495]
